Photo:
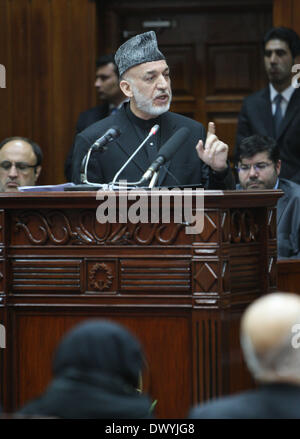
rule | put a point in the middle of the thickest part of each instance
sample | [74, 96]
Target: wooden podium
[181, 294]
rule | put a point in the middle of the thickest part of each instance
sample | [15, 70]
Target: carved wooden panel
[245, 272]
[206, 277]
[210, 229]
[272, 273]
[244, 228]
[101, 276]
[56, 227]
[1, 226]
[51, 275]
[61, 266]
[168, 276]
[207, 333]
[272, 224]
[2, 275]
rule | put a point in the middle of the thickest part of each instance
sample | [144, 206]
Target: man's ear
[37, 172]
[126, 88]
[278, 167]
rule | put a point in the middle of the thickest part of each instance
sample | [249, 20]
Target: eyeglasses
[258, 167]
[20, 166]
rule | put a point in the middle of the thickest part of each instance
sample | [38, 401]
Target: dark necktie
[278, 114]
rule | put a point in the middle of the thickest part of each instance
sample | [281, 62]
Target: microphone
[166, 152]
[99, 145]
[152, 132]
[110, 135]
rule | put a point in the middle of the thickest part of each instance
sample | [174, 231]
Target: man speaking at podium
[145, 80]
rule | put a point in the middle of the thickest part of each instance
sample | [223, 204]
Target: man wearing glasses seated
[258, 167]
[20, 163]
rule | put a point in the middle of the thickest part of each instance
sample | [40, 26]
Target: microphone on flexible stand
[152, 132]
[166, 152]
[110, 135]
[100, 145]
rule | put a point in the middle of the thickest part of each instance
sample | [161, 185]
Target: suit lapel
[292, 109]
[282, 202]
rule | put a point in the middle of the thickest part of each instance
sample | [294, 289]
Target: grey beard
[146, 106]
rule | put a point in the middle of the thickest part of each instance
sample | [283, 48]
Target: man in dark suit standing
[145, 80]
[270, 335]
[110, 95]
[275, 110]
[258, 167]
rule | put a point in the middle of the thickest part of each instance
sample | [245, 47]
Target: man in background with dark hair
[274, 111]
[258, 167]
[20, 163]
[110, 94]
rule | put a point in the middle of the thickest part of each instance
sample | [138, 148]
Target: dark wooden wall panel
[21, 67]
[5, 60]
[283, 11]
[32, 329]
[289, 275]
[49, 50]
[42, 79]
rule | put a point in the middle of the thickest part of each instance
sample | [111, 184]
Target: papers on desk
[46, 188]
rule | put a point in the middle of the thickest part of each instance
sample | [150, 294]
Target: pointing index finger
[211, 128]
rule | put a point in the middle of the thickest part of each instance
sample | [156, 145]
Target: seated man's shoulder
[241, 405]
[289, 185]
[254, 97]
[98, 110]
[90, 116]
[96, 129]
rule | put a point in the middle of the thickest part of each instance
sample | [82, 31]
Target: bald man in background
[270, 339]
[20, 163]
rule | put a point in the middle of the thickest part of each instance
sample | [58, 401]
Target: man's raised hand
[215, 152]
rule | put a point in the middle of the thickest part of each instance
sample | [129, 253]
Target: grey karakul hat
[138, 50]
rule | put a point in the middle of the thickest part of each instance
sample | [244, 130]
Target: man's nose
[13, 172]
[273, 58]
[162, 82]
[252, 171]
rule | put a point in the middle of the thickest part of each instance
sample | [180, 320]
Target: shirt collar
[141, 123]
[112, 106]
[276, 184]
[286, 94]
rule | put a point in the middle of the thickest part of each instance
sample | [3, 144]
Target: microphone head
[110, 135]
[154, 129]
[174, 143]
[113, 133]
